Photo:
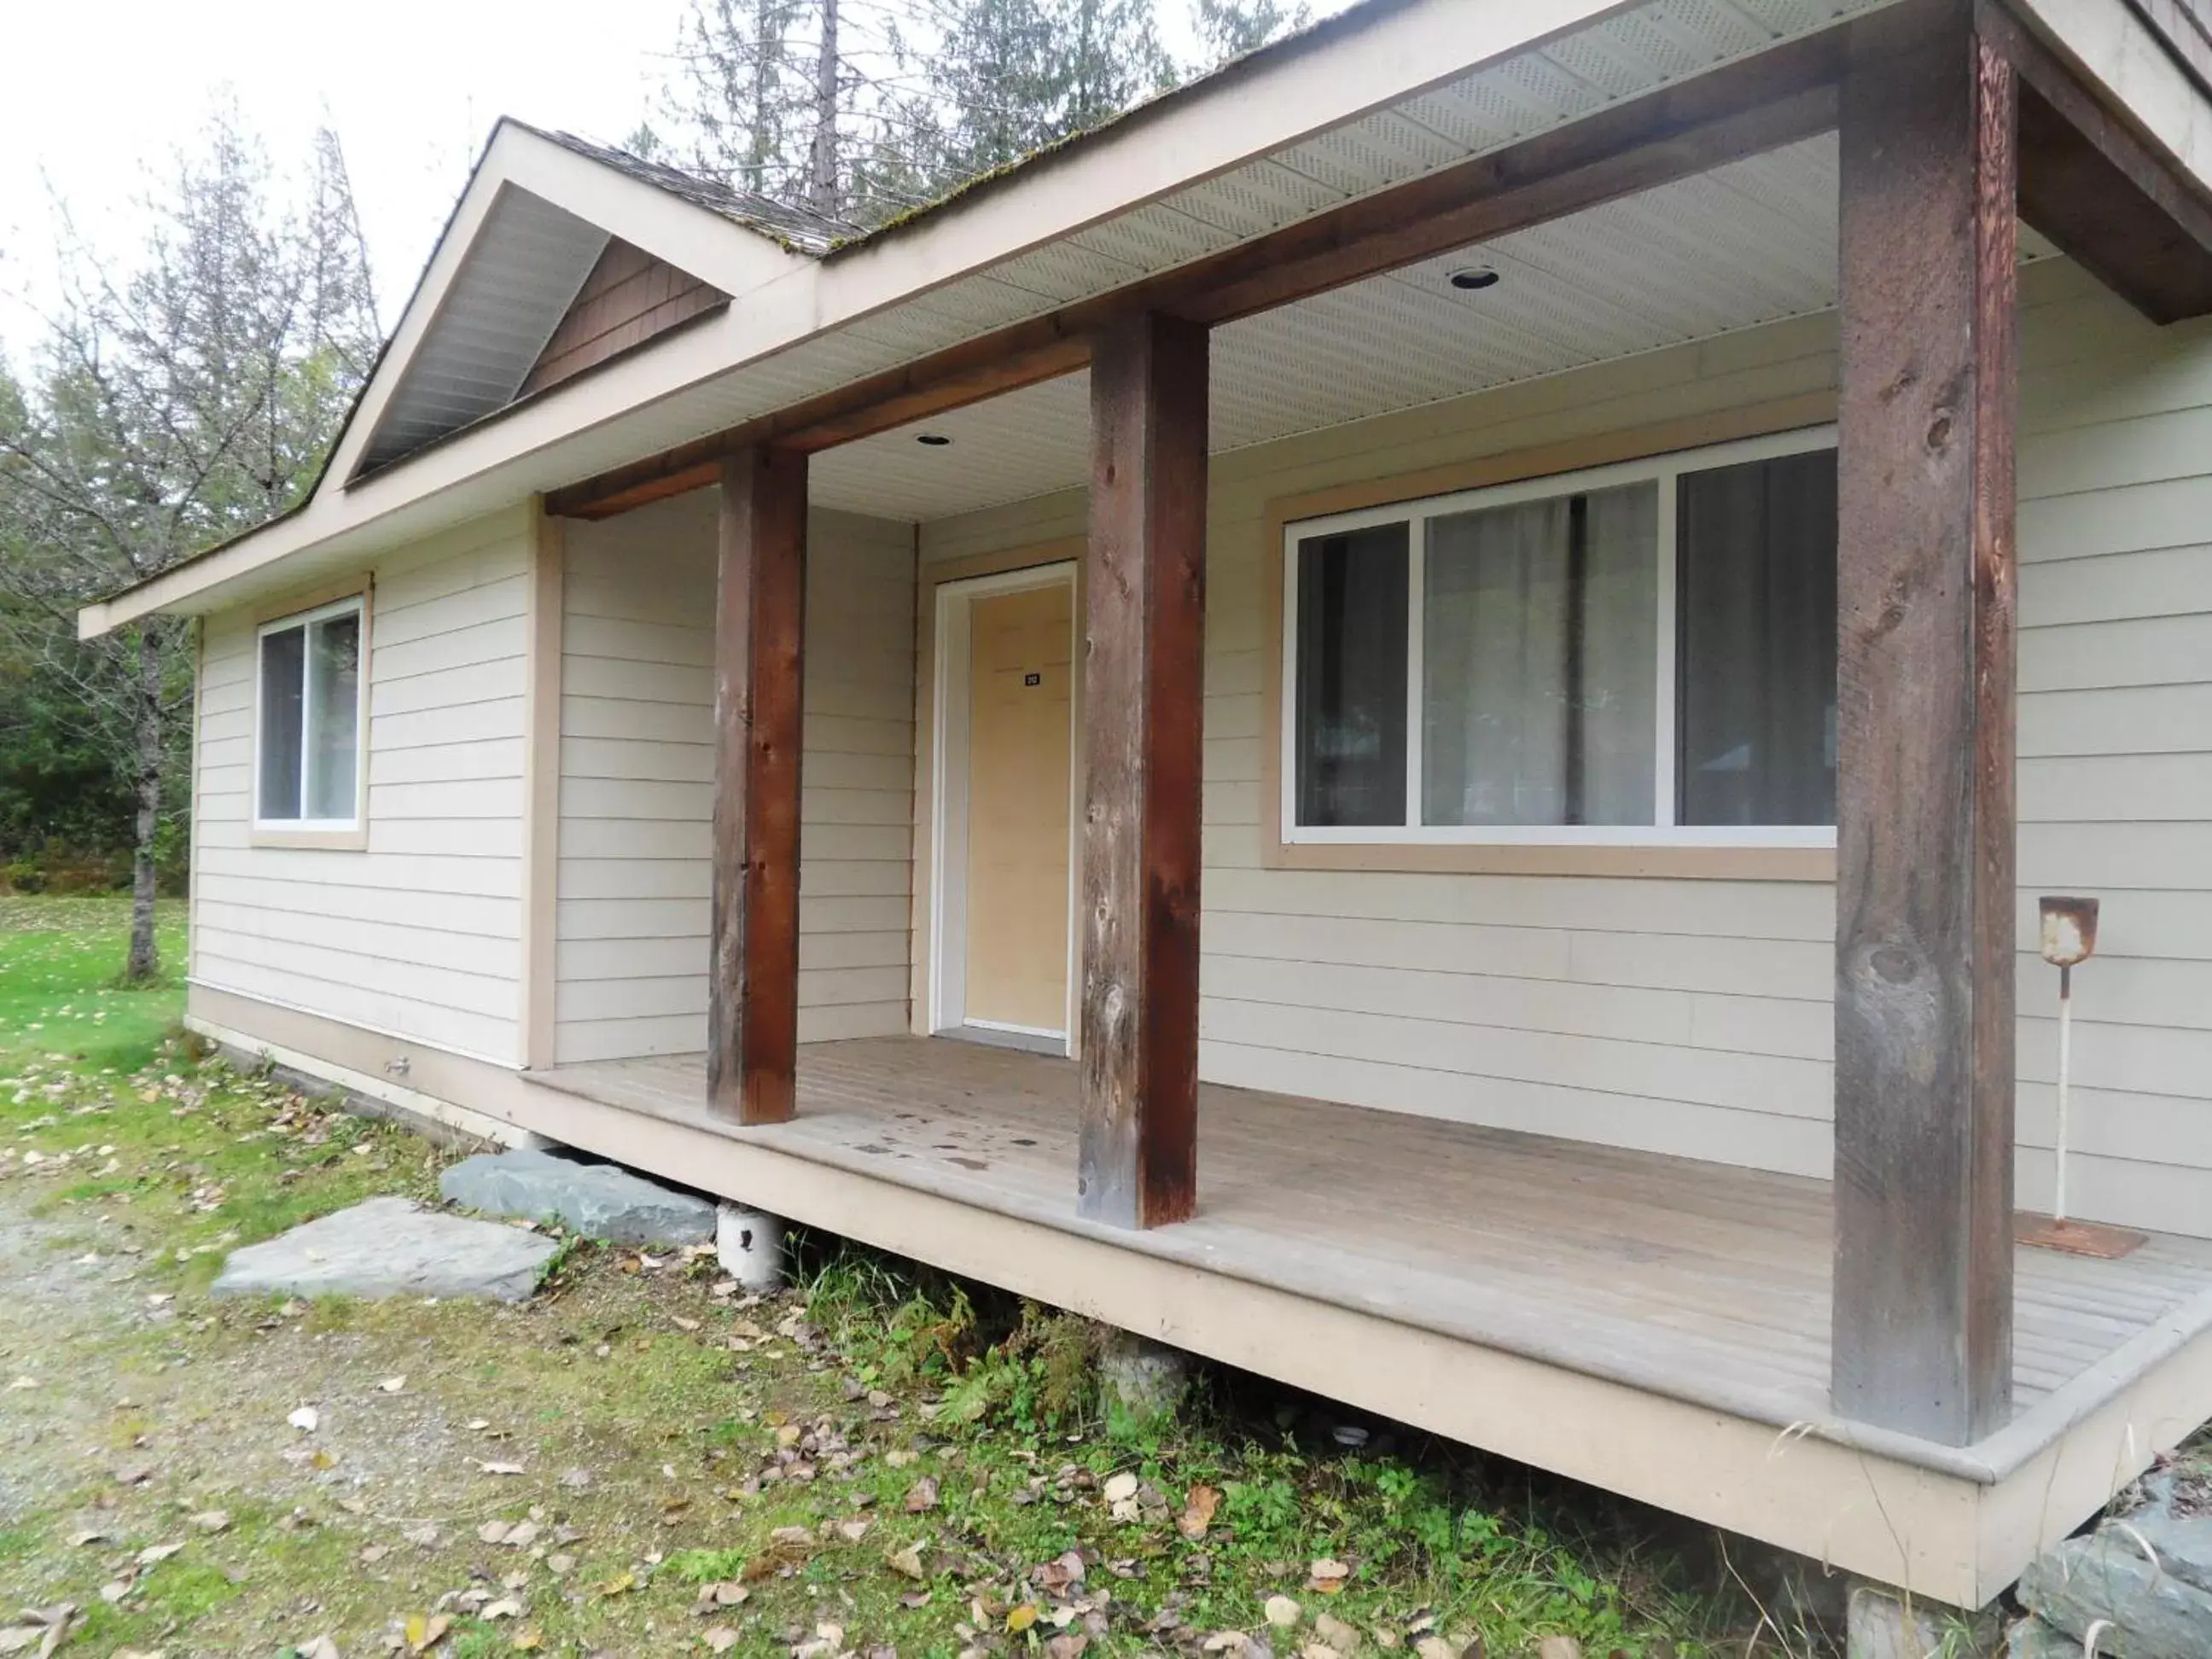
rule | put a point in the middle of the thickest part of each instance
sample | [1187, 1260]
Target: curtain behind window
[1352, 613]
[1757, 560]
[1538, 654]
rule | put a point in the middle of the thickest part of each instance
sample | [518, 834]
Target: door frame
[949, 749]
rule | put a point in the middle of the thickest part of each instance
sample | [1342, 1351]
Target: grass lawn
[641, 1460]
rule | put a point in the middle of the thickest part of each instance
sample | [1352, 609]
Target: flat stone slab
[600, 1200]
[390, 1247]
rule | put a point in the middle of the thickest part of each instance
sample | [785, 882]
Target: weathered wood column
[1925, 891]
[1143, 647]
[752, 1007]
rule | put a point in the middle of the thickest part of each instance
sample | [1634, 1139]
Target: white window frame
[1663, 831]
[352, 604]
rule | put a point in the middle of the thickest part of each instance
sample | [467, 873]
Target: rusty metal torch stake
[2069, 936]
[2065, 1066]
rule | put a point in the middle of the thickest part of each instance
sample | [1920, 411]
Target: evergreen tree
[176, 400]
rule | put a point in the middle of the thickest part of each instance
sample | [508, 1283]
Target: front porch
[1657, 1325]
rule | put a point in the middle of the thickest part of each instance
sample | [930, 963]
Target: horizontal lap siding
[2116, 749]
[418, 935]
[1696, 1017]
[637, 782]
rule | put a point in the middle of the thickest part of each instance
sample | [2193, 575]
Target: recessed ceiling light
[934, 439]
[1470, 277]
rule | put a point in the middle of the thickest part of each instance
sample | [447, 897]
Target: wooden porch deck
[1699, 1282]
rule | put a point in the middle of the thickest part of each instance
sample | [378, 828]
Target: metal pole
[2065, 1064]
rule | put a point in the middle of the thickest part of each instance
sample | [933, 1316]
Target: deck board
[1616, 1261]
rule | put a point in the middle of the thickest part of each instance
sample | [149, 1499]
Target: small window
[1640, 654]
[308, 774]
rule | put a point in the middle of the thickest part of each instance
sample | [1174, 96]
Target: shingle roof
[798, 229]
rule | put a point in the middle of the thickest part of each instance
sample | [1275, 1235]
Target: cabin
[1401, 720]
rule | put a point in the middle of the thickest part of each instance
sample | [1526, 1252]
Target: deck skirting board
[1959, 1533]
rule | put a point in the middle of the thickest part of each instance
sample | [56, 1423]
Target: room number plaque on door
[1032, 679]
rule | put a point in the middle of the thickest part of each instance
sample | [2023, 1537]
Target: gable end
[629, 297]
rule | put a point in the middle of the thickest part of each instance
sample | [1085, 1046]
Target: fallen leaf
[898, 1457]
[620, 1585]
[1318, 1651]
[422, 1537]
[922, 1495]
[210, 1520]
[322, 1647]
[492, 1532]
[393, 1384]
[1121, 1487]
[560, 1566]
[1281, 1612]
[1021, 1617]
[853, 1531]
[153, 1552]
[906, 1562]
[1334, 1632]
[1198, 1511]
[1434, 1647]
[529, 1638]
[506, 1608]
[497, 1468]
[423, 1634]
[718, 1638]
[1327, 1576]
[1069, 1644]
[79, 1540]
[1559, 1647]
[372, 1554]
[306, 1419]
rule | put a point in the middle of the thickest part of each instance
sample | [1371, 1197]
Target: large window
[309, 716]
[1643, 653]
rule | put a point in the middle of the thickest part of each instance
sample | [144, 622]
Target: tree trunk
[145, 960]
[821, 186]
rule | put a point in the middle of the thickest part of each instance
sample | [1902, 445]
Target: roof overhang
[1384, 93]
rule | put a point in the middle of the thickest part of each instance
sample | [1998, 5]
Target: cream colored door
[1020, 681]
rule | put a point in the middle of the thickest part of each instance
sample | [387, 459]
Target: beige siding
[637, 782]
[417, 935]
[2116, 747]
[1695, 1016]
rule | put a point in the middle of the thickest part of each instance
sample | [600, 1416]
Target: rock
[1143, 1382]
[390, 1247]
[2031, 1638]
[2104, 1577]
[600, 1200]
[1885, 1624]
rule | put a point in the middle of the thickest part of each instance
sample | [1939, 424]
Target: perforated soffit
[524, 268]
[1751, 243]
[1624, 54]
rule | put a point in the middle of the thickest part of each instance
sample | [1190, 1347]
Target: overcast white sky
[94, 92]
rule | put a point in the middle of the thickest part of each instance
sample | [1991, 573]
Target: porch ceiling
[1751, 243]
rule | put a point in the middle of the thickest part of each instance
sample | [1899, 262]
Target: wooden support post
[1925, 890]
[752, 1007]
[1144, 644]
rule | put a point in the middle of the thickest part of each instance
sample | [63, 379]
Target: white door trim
[948, 874]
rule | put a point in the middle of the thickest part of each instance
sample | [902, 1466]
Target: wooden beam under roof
[2099, 190]
[1691, 127]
